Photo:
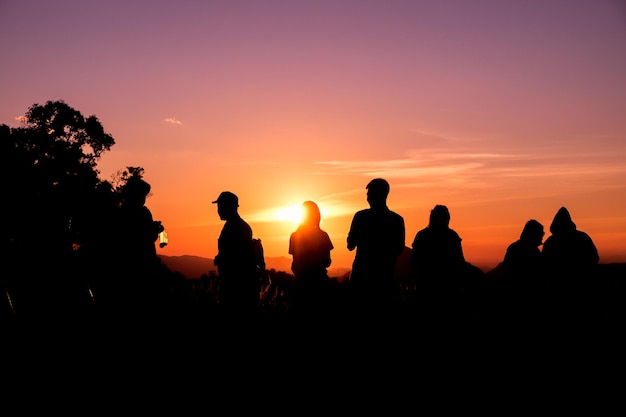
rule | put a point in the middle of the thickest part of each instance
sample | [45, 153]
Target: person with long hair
[310, 247]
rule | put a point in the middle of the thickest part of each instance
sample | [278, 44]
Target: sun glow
[291, 214]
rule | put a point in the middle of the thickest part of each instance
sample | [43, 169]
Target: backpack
[259, 257]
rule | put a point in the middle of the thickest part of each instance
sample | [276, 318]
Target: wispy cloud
[485, 169]
[172, 120]
[505, 174]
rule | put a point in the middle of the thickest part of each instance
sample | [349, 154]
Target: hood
[562, 222]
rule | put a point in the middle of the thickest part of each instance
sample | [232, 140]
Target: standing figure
[137, 233]
[235, 261]
[443, 276]
[568, 250]
[378, 235]
[310, 248]
[522, 285]
[523, 257]
[570, 258]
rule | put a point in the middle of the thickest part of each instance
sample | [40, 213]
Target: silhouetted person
[568, 249]
[570, 258]
[140, 288]
[443, 276]
[522, 282]
[235, 261]
[378, 235]
[523, 257]
[310, 248]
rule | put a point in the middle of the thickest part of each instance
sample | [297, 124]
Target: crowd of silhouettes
[76, 244]
[551, 282]
[447, 288]
[530, 285]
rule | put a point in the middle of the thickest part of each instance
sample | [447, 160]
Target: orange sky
[503, 111]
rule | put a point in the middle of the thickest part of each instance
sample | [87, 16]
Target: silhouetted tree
[51, 188]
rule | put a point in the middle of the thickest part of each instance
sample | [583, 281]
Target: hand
[158, 226]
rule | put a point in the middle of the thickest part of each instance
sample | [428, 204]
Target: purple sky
[503, 110]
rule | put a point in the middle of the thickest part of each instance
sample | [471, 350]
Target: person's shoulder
[422, 232]
[240, 224]
[453, 232]
[549, 240]
[362, 213]
[514, 245]
[242, 221]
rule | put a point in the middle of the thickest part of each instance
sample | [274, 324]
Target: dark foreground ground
[477, 354]
[278, 363]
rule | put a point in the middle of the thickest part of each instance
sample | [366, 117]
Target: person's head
[311, 215]
[562, 222]
[135, 191]
[377, 192]
[227, 204]
[532, 232]
[439, 217]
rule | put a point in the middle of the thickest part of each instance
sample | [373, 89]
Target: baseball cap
[228, 198]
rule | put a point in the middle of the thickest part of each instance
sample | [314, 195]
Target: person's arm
[329, 247]
[460, 255]
[591, 250]
[415, 249]
[401, 236]
[352, 234]
[292, 252]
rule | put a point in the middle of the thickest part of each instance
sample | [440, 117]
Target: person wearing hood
[567, 249]
[570, 258]
[522, 285]
[523, 257]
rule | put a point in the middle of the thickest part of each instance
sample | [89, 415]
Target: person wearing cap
[235, 260]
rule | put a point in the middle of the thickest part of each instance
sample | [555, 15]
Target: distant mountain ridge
[195, 266]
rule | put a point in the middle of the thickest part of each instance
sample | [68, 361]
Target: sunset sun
[291, 214]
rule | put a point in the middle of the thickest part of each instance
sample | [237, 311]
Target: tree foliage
[57, 208]
[58, 125]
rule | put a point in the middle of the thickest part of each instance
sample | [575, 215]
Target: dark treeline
[75, 246]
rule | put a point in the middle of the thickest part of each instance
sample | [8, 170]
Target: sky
[502, 110]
